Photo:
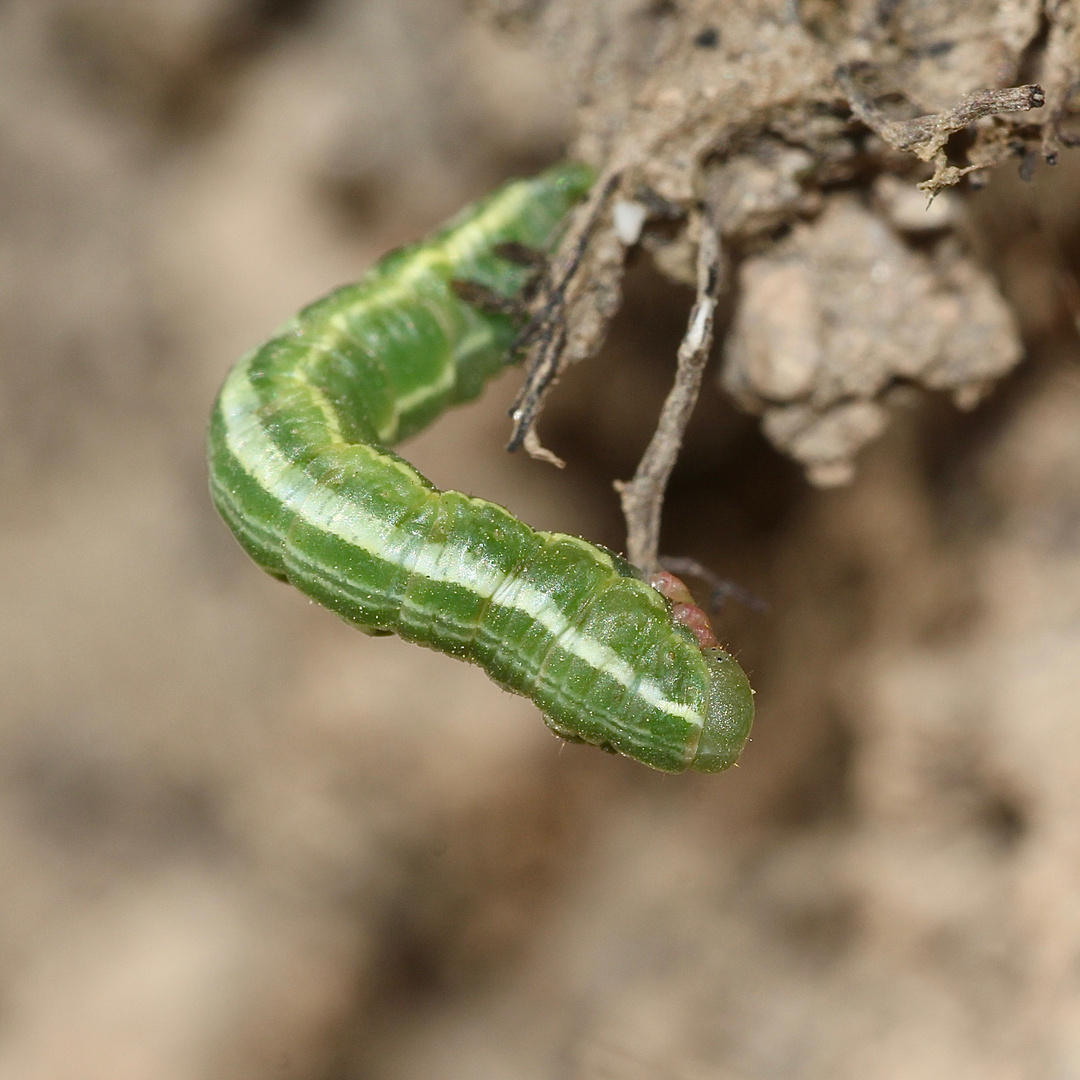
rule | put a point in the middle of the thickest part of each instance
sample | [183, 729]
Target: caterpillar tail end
[730, 715]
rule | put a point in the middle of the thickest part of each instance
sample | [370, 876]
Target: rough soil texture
[769, 115]
[239, 840]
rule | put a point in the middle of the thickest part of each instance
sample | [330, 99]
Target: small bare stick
[550, 342]
[926, 136]
[546, 330]
[643, 497]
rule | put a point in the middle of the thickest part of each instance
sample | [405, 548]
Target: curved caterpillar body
[300, 471]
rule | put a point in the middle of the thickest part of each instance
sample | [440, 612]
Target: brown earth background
[239, 840]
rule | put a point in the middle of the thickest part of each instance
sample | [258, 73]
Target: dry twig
[546, 333]
[643, 497]
[926, 136]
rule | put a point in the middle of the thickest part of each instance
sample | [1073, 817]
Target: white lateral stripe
[466, 240]
[274, 473]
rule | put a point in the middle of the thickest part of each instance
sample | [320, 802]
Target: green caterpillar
[300, 472]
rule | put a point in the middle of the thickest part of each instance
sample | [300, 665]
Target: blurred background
[240, 840]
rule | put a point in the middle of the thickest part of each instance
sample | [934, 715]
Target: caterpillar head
[731, 701]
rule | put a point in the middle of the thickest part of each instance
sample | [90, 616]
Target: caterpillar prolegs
[300, 471]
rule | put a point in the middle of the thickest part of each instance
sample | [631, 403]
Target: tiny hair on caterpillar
[301, 471]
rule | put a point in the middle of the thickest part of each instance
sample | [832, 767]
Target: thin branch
[926, 136]
[643, 497]
[546, 331]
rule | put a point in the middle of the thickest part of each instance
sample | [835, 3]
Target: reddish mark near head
[683, 608]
